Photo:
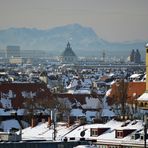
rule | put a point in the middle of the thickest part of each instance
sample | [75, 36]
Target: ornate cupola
[68, 56]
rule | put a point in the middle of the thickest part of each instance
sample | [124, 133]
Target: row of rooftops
[112, 133]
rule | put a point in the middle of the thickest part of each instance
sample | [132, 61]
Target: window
[142, 137]
[94, 132]
[72, 138]
[114, 147]
[103, 146]
[133, 137]
[119, 134]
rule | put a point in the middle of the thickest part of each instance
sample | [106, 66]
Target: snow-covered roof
[135, 76]
[143, 97]
[109, 125]
[107, 113]
[109, 137]
[8, 112]
[8, 124]
[79, 91]
[43, 132]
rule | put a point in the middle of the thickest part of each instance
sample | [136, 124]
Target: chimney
[68, 122]
[33, 122]
[49, 121]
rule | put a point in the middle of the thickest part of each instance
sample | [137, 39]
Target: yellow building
[143, 99]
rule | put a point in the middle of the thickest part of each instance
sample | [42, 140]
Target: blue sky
[113, 20]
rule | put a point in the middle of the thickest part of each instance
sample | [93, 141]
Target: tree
[121, 95]
[62, 106]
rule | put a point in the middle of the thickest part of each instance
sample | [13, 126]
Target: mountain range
[84, 41]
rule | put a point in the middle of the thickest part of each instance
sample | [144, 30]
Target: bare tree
[121, 95]
[61, 106]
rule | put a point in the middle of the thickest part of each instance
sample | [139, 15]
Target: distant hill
[84, 41]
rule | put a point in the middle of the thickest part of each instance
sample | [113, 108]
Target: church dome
[68, 51]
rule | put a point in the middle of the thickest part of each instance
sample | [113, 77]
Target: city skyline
[114, 20]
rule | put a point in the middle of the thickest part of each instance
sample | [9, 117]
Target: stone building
[135, 56]
[68, 56]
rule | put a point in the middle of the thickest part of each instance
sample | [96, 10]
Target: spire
[68, 45]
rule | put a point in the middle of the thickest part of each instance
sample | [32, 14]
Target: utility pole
[54, 126]
[145, 135]
[53, 118]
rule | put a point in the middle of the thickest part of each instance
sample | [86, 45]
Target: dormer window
[142, 136]
[94, 132]
[135, 136]
[119, 134]
[123, 133]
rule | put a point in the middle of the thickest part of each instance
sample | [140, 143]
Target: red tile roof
[42, 92]
[134, 90]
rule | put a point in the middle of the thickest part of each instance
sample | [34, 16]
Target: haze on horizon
[112, 20]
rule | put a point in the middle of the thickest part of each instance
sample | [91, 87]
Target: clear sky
[113, 20]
